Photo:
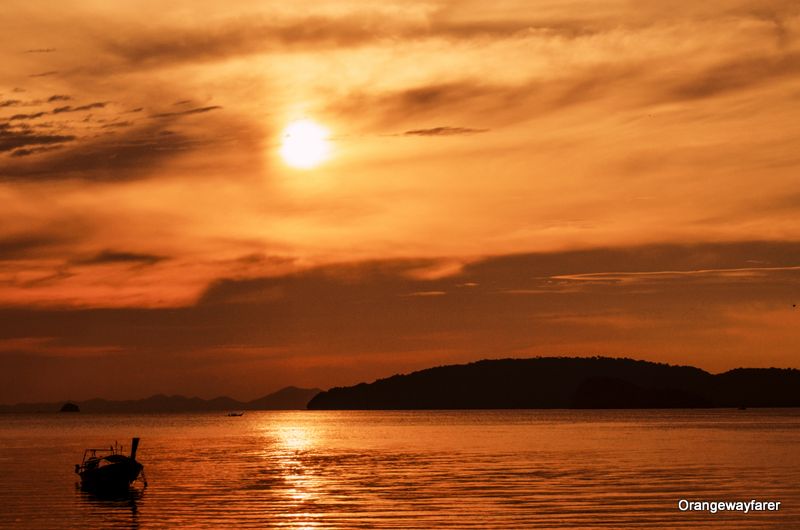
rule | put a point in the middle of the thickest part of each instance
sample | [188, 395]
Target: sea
[409, 469]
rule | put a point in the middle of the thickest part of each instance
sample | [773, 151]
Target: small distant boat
[108, 470]
[236, 414]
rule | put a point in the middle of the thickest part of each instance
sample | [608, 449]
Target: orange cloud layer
[140, 174]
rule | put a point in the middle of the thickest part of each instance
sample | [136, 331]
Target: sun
[305, 144]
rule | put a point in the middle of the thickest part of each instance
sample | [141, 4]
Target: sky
[502, 179]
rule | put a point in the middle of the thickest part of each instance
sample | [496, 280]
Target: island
[568, 382]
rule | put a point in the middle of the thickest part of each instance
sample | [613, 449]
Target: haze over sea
[420, 469]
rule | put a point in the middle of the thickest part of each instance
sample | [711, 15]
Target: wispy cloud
[45, 74]
[199, 110]
[739, 274]
[443, 131]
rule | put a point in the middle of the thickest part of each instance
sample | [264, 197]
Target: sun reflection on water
[287, 451]
[296, 438]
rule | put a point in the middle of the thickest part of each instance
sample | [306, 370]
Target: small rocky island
[70, 407]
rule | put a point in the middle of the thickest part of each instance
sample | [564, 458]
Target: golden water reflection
[423, 469]
[287, 446]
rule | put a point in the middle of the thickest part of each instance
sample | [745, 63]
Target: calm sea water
[465, 469]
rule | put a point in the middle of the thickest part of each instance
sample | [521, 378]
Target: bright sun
[305, 144]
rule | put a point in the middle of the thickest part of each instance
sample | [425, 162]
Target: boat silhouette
[108, 470]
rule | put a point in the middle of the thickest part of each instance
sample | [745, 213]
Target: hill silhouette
[285, 399]
[568, 382]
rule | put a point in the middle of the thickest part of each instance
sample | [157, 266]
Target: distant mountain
[285, 399]
[290, 397]
[568, 382]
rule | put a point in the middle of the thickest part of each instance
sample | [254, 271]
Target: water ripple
[466, 469]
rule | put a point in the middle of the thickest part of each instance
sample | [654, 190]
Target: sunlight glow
[305, 144]
[296, 438]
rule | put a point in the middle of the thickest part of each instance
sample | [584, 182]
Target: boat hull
[112, 477]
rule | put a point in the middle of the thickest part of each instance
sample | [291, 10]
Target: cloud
[27, 245]
[34, 150]
[130, 154]
[117, 125]
[199, 110]
[116, 257]
[257, 35]
[41, 50]
[45, 74]
[553, 273]
[26, 117]
[743, 274]
[10, 103]
[642, 85]
[443, 131]
[221, 39]
[737, 74]
[23, 139]
[89, 106]
[58, 97]
[487, 101]
[364, 309]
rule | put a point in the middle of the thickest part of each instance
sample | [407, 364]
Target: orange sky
[506, 179]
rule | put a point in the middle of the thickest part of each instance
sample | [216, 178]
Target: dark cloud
[131, 152]
[115, 256]
[199, 110]
[89, 106]
[443, 131]
[539, 272]
[22, 139]
[34, 150]
[41, 50]
[496, 306]
[26, 245]
[117, 125]
[58, 97]
[32, 116]
[10, 103]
